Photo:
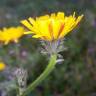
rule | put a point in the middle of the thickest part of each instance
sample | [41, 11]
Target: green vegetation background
[76, 76]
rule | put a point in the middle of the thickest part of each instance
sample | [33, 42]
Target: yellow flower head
[53, 27]
[11, 34]
[2, 66]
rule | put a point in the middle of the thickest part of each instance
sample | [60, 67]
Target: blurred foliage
[76, 76]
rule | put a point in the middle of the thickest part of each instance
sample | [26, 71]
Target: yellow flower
[53, 27]
[11, 34]
[2, 66]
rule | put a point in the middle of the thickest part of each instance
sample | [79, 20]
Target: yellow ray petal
[60, 15]
[52, 27]
[28, 32]
[36, 36]
[27, 24]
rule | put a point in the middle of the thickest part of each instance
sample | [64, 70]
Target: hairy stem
[46, 72]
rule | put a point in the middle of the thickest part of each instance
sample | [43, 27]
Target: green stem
[46, 72]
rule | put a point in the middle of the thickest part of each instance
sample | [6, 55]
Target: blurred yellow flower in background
[2, 66]
[53, 27]
[11, 34]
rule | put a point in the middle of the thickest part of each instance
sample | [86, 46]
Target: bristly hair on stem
[54, 47]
